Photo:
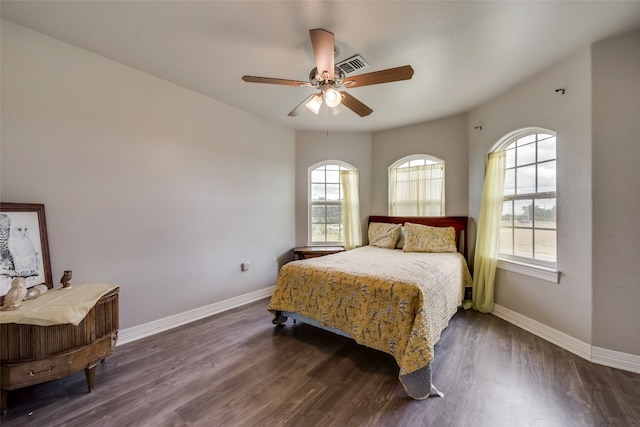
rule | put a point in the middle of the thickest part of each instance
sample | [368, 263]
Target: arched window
[528, 229]
[416, 186]
[325, 202]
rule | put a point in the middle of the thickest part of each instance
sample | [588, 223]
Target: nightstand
[305, 252]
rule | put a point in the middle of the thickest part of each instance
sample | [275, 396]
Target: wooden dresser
[31, 354]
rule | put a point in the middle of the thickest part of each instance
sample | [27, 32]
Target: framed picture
[24, 247]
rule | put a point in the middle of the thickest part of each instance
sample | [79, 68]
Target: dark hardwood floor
[236, 369]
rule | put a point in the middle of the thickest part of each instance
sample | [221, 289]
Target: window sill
[531, 270]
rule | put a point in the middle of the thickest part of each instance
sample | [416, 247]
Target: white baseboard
[616, 359]
[554, 336]
[141, 331]
[601, 356]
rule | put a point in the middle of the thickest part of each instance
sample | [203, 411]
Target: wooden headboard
[457, 222]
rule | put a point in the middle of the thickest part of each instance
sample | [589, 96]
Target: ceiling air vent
[353, 64]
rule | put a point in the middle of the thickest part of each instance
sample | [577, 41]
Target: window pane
[333, 232]
[509, 182]
[333, 192]
[547, 149]
[511, 158]
[403, 191]
[406, 209]
[507, 213]
[547, 176]
[317, 192]
[546, 245]
[545, 212]
[334, 214]
[318, 233]
[318, 214]
[523, 242]
[506, 241]
[526, 179]
[526, 154]
[522, 212]
[317, 175]
[526, 139]
[333, 176]
[332, 167]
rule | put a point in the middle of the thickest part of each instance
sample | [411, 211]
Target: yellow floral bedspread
[394, 301]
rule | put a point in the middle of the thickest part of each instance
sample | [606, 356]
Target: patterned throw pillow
[400, 243]
[423, 238]
[384, 235]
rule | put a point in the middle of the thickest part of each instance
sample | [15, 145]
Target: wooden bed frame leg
[279, 319]
[90, 375]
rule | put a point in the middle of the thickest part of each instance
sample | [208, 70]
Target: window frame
[427, 159]
[310, 202]
[542, 269]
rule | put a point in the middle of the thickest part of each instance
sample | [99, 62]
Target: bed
[389, 295]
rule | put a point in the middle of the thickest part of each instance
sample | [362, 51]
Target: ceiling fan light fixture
[336, 110]
[327, 78]
[332, 97]
[314, 104]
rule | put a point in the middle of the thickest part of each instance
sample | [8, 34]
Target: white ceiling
[463, 53]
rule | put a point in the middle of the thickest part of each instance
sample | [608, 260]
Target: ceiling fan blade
[255, 79]
[296, 111]
[383, 76]
[322, 42]
[354, 105]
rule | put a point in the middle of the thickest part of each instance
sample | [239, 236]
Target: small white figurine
[35, 291]
[13, 299]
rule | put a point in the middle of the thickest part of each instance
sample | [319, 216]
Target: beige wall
[445, 139]
[616, 193]
[148, 185]
[564, 306]
[314, 147]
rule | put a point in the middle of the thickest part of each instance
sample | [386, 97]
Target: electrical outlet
[245, 266]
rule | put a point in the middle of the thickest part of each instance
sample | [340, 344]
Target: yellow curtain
[417, 190]
[350, 209]
[487, 240]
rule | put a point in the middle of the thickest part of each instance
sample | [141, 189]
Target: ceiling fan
[329, 78]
